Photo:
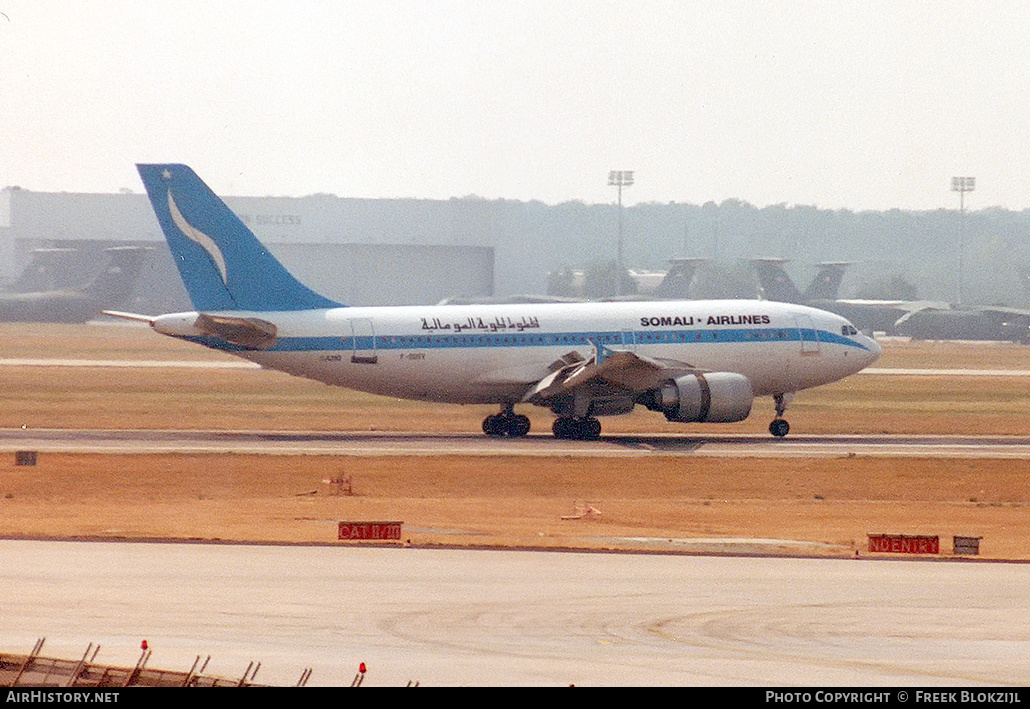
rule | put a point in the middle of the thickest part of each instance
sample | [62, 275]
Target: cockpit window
[848, 330]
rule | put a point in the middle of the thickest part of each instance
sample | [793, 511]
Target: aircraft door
[363, 338]
[808, 334]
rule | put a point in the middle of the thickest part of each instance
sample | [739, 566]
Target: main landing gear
[506, 423]
[584, 428]
[779, 426]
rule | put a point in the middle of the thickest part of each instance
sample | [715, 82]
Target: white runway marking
[946, 372]
[129, 363]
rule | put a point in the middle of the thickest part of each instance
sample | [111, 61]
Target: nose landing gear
[779, 426]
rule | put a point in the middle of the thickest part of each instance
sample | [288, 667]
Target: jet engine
[715, 397]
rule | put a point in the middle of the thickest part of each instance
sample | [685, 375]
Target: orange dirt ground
[655, 502]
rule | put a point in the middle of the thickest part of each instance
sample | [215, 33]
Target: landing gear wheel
[779, 428]
[578, 429]
[518, 426]
[506, 424]
[493, 425]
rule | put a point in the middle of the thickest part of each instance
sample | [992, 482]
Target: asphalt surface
[366, 443]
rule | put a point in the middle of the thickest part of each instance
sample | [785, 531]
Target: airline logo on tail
[197, 236]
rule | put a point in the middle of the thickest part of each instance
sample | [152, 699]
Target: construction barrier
[35, 670]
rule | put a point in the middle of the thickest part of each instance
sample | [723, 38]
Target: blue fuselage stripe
[556, 339]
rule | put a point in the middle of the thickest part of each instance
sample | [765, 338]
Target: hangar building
[356, 251]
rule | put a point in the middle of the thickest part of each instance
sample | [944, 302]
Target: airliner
[691, 361]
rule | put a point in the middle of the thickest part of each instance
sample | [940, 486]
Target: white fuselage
[495, 353]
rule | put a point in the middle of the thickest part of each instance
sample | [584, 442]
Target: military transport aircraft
[22, 302]
[867, 315]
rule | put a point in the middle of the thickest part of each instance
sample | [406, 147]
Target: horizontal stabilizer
[252, 333]
[245, 332]
[148, 319]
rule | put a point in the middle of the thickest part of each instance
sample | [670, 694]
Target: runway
[364, 443]
[459, 617]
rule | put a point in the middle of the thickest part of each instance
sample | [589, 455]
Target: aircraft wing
[1001, 313]
[902, 305]
[624, 370]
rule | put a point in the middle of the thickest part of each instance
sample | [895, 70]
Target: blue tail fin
[223, 265]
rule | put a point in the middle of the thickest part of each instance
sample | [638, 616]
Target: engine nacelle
[715, 397]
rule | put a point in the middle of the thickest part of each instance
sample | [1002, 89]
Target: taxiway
[462, 617]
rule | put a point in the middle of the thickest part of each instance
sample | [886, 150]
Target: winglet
[222, 263]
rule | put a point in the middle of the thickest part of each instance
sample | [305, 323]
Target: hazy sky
[860, 105]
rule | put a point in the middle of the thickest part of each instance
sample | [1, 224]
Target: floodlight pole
[962, 185]
[620, 179]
